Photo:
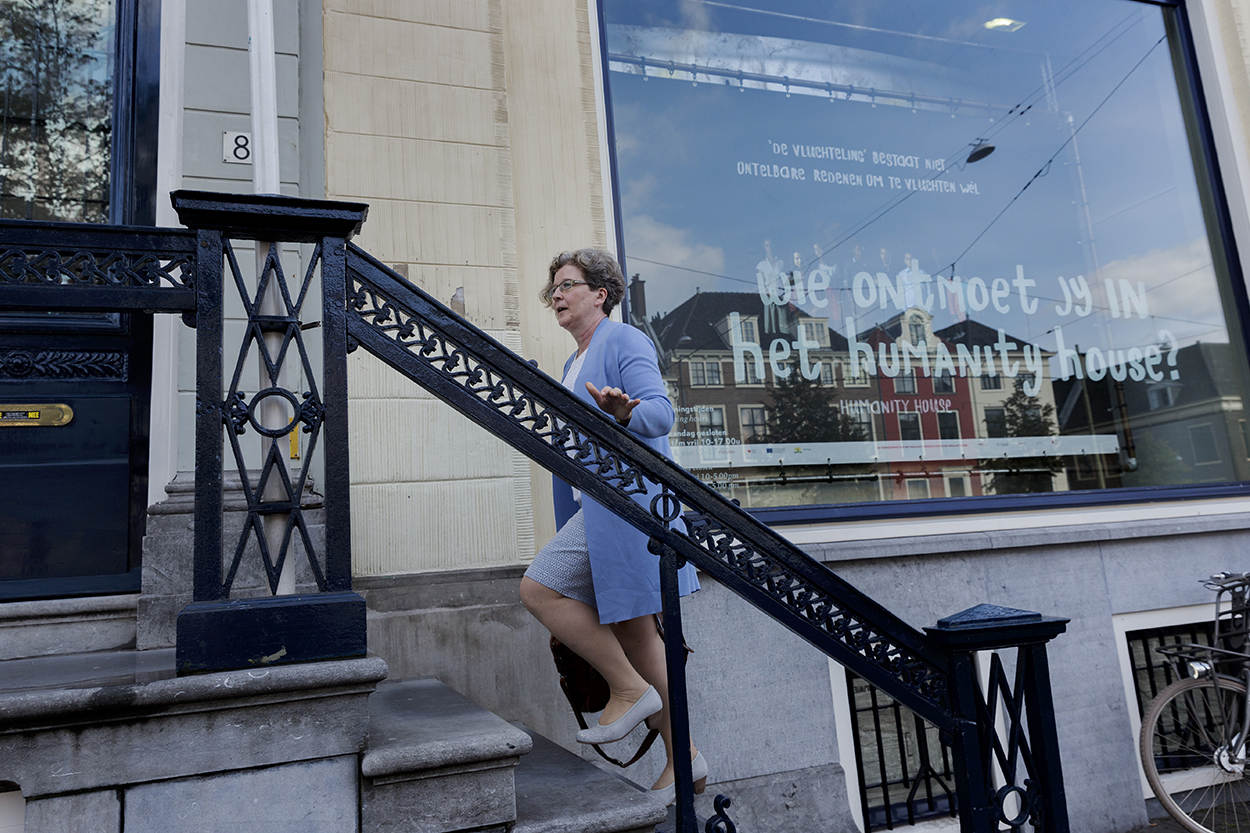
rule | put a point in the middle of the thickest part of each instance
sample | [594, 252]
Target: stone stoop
[435, 762]
[116, 742]
[558, 792]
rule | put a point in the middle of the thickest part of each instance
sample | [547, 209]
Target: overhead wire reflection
[1010, 117]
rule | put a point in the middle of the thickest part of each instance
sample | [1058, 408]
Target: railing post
[217, 632]
[334, 374]
[678, 705]
[1008, 774]
[208, 415]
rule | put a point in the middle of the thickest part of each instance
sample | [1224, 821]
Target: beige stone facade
[477, 168]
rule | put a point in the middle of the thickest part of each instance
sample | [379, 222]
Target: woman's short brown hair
[598, 267]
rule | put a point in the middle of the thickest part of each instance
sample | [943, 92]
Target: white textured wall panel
[415, 110]
[439, 234]
[434, 525]
[460, 14]
[415, 439]
[389, 48]
[415, 169]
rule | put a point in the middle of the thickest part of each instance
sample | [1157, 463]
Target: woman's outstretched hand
[614, 402]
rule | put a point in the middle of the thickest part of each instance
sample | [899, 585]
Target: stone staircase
[112, 740]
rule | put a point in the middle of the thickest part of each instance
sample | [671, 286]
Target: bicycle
[1193, 737]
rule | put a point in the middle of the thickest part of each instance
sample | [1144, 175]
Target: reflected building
[774, 406]
[1190, 423]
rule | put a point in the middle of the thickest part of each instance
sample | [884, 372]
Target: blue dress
[626, 575]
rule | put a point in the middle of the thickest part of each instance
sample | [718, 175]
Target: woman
[595, 586]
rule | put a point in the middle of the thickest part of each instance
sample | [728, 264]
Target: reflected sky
[799, 138]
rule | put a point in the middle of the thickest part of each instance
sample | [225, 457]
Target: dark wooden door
[73, 452]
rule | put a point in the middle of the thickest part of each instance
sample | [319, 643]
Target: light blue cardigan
[626, 575]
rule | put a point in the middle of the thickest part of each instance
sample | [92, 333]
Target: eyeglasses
[563, 286]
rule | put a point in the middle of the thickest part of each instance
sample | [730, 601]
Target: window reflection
[56, 97]
[917, 250]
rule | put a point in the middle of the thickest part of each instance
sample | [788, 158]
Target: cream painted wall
[558, 179]
[439, 115]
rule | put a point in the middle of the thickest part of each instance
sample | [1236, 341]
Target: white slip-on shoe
[698, 774]
[646, 705]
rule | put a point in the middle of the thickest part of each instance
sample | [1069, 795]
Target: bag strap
[652, 734]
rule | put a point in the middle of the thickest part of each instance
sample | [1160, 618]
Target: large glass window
[927, 195]
[56, 109]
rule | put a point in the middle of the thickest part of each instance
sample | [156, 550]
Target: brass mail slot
[25, 416]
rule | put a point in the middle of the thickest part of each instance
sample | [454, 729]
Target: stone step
[669, 825]
[558, 792]
[66, 626]
[436, 763]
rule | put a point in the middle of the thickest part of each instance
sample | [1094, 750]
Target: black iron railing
[1016, 782]
[1003, 738]
[107, 267]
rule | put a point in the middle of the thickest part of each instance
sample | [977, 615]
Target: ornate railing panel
[526, 408]
[273, 490]
[1009, 775]
[108, 267]
[217, 631]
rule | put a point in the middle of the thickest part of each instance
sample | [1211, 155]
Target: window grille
[905, 772]
[1153, 672]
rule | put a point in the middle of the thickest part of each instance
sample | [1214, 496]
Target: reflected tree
[56, 66]
[1025, 416]
[803, 412]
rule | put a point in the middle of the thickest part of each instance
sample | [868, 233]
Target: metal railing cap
[269, 216]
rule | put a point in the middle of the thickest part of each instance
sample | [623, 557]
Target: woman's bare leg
[576, 624]
[645, 650]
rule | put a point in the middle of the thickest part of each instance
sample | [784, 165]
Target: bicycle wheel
[1193, 752]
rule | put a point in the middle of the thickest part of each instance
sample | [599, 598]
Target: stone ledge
[422, 725]
[68, 608]
[180, 494]
[59, 741]
[61, 707]
[440, 588]
[1092, 533]
[93, 669]
[62, 626]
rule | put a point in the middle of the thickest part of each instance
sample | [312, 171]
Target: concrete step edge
[558, 792]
